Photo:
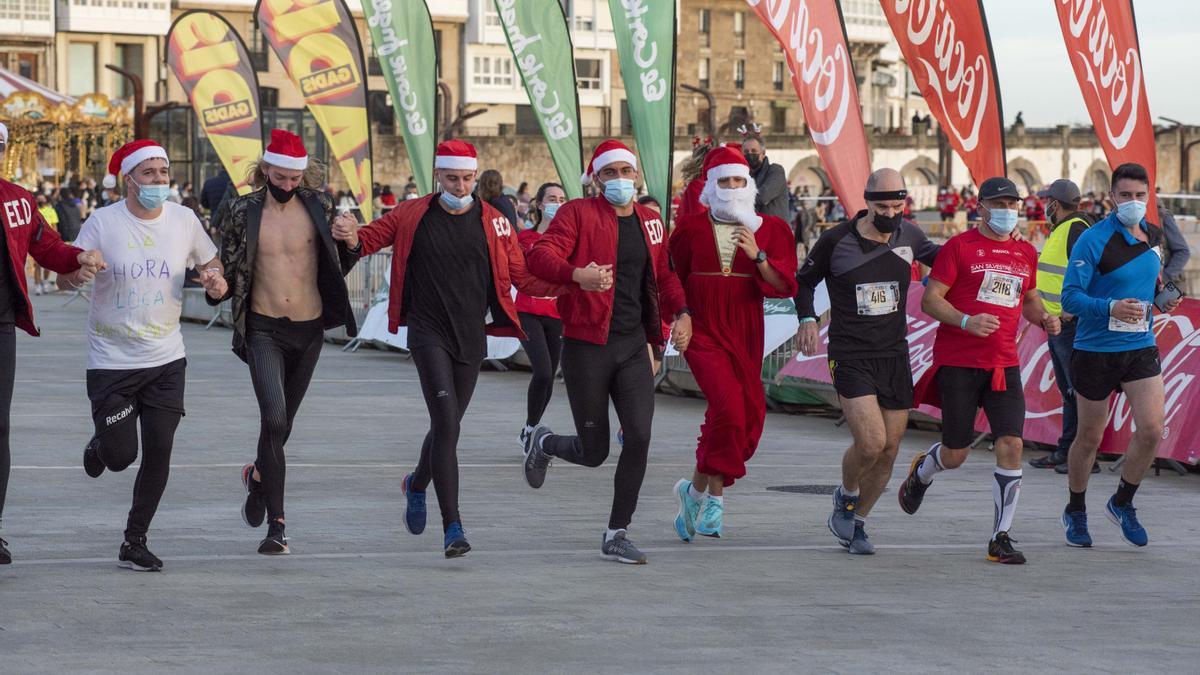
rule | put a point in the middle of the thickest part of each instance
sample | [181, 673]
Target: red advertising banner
[949, 52]
[1102, 44]
[813, 38]
[1178, 337]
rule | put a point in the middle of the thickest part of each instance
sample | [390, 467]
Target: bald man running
[866, 263]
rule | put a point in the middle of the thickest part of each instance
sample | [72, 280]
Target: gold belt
[723, 274]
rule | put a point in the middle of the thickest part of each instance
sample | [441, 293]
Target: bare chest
[289, 233]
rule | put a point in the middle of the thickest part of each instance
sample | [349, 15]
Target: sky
[1036, 77]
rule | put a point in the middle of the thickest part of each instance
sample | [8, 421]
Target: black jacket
[239, 243]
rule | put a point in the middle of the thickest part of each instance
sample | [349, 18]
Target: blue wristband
[808, 319]
[963, 323]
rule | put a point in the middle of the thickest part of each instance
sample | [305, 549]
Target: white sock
[931, 466]
[610, 533]
[528, 430]
[860, 519]
[720, 499]
[698, 496]
[1005, 490]
[846, 492]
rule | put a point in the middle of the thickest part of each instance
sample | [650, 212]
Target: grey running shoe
[536, 460]
[621, 549]
[859, 544]
[841, 521]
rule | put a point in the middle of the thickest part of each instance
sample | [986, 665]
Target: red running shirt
[985, 277]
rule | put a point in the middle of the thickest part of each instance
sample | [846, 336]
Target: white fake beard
[732, 205]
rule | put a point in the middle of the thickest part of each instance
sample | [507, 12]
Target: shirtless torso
[285, 266]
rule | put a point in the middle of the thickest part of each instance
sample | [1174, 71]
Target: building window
[258, 51]
[739, 30]
[705, 28]
[585, 23]
[268, 98]
[779, 120]
[779, 75]
[26, 65]
[587, 74]
[381, 112]
[81, 68]
[490, 17]
[739, 74]
[373, 67]
[704, 80]
[626, 120]
[492, 71]
[130, 58]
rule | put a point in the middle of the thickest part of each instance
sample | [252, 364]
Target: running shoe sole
[829, 523]
[1117, 521]
[681, 517]
[622, 559]
[1006, 561]
[458, 549]
[1066, 525]
[285, 550]
[130, 565]
[912, 468]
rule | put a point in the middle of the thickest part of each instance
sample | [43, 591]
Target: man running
[136, 359]
[26, 235]
[866, 264]
[284, 273]
[1111, 283]
[617, 247]
[454, 263]
[982, 283]
[728, 259]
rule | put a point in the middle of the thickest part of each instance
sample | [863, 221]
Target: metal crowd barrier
[366, 280]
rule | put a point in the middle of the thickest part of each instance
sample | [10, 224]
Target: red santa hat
[456, 155]
[606, 153]
[724, 162]
[286, 151]
[129, 156]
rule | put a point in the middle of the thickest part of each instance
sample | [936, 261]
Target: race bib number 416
[878, 299]
[998, 288]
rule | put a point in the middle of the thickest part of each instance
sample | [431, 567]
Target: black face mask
[754, 161]
[282, 196]
[887, 224]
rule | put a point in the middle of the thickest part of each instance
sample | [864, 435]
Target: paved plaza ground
[359, 594]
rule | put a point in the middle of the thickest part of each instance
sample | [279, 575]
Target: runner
[136, 359]
[1111, 283]
[591, 244]
[284, 274]
[454, 260]
[728, 259]
[26, 235]
[866, 264]
[982, 283]
[539, 316]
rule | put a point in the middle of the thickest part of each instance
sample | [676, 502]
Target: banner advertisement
[211, 62]
[1102, 45]
[1178, 336]
[402, 36]
[542, 51]
[947, 47]
[813, 37]
[319, 47]
[645, 32]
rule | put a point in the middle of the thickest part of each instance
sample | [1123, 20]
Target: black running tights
[8, 363]
[447, 385]
[543, 347]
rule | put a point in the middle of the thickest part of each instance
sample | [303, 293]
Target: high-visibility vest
[1052, 266]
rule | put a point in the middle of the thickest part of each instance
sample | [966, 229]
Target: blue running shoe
[711, 521]
[1076, 529]
[414, 512]
[689, 510]
[456, 541]
[841, 521]
[1126, 517]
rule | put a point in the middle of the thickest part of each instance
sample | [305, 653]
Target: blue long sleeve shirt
[1108, 263]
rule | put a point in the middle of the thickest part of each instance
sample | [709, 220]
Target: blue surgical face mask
[1002, 221]
[456, 203]
[548, 211]
[152, 197]
[1130, 213]
[619, 191]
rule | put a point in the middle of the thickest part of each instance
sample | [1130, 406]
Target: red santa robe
[726, 351]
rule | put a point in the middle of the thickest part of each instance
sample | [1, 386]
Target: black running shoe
[1000, 550]
[135, 556]
[92, 463]
[912, 490]
[1049, 461]
[536, 459]
[276, 542]
[254, 509]
[5, 556]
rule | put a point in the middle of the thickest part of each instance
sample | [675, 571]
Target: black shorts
[965, 390]
[1095, 375]
[159, 387]
[888, 378]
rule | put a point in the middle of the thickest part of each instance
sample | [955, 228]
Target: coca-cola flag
[813, 38]
[949, 52]
[1102, 44]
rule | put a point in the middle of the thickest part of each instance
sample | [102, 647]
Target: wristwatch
[761, 257]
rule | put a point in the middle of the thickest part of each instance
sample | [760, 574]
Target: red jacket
[585, 231]
[29, 235]
[396, 229]
[528, 303]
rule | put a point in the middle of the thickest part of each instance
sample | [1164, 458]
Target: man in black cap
[1067, 223]
[983, 281]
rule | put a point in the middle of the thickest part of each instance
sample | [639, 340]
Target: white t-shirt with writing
[134, 318]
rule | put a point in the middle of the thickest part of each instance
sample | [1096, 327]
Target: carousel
[55, 137]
